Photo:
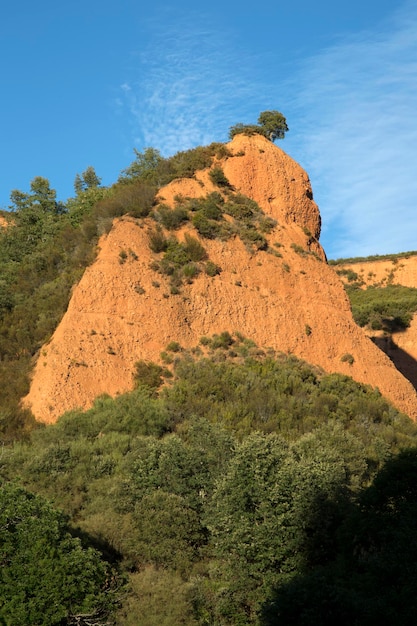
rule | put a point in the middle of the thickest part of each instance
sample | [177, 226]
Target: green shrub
[375, 257]
[211, 206]
[47, 576]
[176, 253]
[218, 177]
[299, 249]
[241, 207]
[169, 531]
[212, 269]
[148, 374]
[151, 168]
[245, 129]
[271, 124]
[174, 289]
[350, 275]
[186, 163]
[266, 224]
[173, 346]
[224, 340]
[157, 596]
[253, 237]
[389, 308]
[205, 227]
[222, 151]
[170, 218]
[180, 260]
[157, 240]
[190, 271]
[194, 248]
[163, 267]
[135, 198]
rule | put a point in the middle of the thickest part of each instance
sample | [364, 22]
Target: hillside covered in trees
[247, 483]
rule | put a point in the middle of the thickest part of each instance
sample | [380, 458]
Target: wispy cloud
[186, 85]
[357, 137]
[352, 112]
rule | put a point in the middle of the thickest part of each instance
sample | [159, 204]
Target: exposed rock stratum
[294, 303]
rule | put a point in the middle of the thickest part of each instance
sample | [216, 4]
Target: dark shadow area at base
[370, 578]
[404, 363]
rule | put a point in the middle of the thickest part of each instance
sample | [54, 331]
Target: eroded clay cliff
[400, 346]
[290, 300]
[401, 270]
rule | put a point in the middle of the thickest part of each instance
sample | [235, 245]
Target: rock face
[290, 300]
[402, 271]
[401, 346]
[3, 222]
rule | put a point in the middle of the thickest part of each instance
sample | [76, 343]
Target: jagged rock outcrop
[289, 300]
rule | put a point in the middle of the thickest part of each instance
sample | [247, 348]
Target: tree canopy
[87, 180]
[271, 124]
[46, 575]
[243, 485]
[274, 124]
[42, 197]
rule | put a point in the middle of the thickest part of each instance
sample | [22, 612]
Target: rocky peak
[283, 296]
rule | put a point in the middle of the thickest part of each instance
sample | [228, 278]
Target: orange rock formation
[3, 222]
[122, 312]
[400, 346]
[400, 271]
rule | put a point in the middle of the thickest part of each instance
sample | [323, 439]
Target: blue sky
[85, 82]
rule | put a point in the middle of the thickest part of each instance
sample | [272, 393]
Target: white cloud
[188, 83]
[352, 113]
[358, 139]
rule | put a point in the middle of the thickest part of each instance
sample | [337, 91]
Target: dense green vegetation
[214, 216]
[387, 308]
[43, 252]
[373, 257]
[248, 479]
[46, 574]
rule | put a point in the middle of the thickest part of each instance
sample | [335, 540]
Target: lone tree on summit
[271, 124]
